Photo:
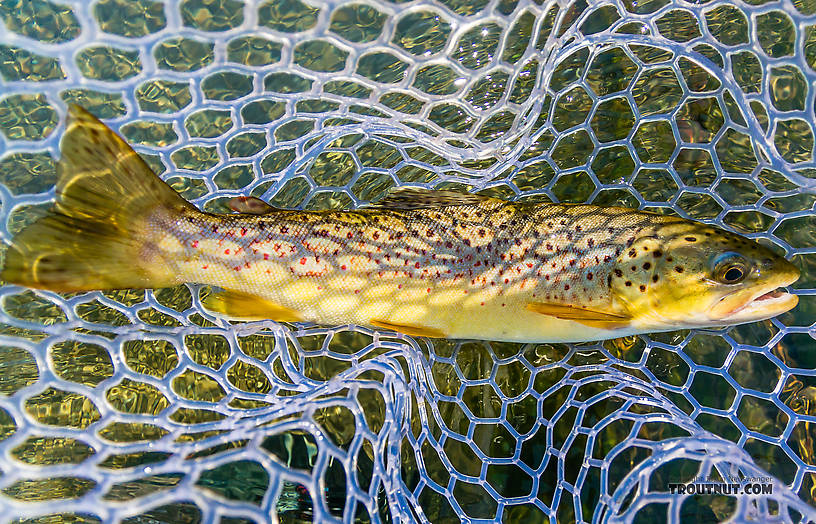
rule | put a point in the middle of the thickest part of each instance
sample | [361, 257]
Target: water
[142, 397]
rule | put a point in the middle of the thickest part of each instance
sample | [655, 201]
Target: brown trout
[424, 263]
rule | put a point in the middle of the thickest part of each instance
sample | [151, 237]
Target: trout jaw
[750, 305]
[761, 307]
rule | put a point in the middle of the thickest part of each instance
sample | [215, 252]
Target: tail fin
[95, 235]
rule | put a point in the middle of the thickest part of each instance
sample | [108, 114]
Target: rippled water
[185, 417]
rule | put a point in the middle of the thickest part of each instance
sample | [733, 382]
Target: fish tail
[101, 232]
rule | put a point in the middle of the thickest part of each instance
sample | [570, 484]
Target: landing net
[138, 406]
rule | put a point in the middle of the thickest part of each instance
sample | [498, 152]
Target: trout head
[689, 275]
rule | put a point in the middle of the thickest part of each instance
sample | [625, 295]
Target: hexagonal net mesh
[139, 406]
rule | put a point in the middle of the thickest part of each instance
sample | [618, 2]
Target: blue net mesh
[139, 406]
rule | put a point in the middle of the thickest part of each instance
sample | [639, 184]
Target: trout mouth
[760, 305]
[776, 293]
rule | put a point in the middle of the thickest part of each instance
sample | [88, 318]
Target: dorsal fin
[415, 198]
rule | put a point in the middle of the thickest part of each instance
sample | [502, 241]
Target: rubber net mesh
[139, 406]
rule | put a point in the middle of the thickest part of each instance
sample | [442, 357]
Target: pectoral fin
[242, 306]
[586, 316]
[407, 329]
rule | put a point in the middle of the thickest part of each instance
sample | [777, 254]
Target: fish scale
[426, 263]
[455, 260]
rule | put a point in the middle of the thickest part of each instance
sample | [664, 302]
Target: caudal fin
[96, 234]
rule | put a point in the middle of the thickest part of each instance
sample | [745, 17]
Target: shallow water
[191, 418]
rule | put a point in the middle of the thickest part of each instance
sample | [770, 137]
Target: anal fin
[243, 306]
[408, 329]
[586, 316]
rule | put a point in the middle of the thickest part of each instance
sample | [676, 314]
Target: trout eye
[734, 274]
[730, 268]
